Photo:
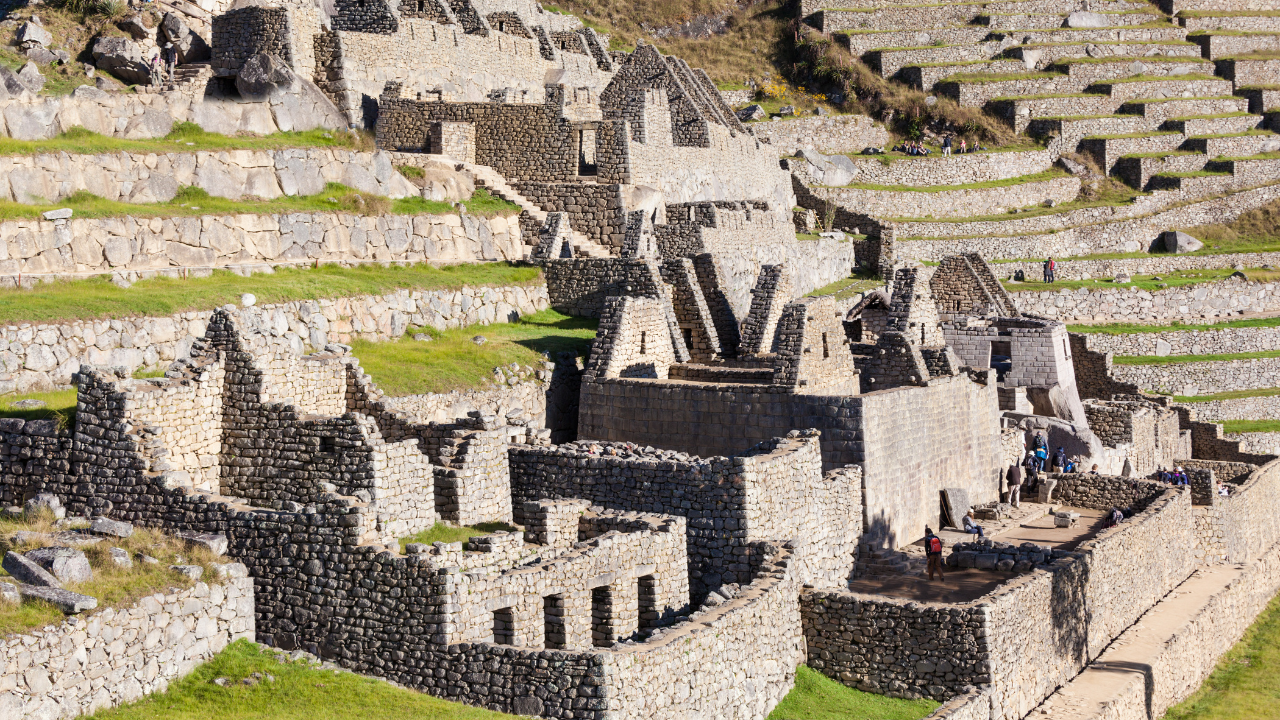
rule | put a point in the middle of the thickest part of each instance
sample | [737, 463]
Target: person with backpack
[1042, 458]
[1049, 267]
[946, 146]
[1032, 467]
[1060, 460]
[933, 551]
[1014, 478]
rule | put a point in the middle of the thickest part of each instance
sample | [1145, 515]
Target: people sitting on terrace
[1223, 490]
[971, 526]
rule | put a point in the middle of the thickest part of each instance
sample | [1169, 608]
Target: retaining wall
[156, 177]
[950, 203]
[1250, 408]
[954, 170]
[145, 116]
[38, 357]
[1202, 378]
[119, 655]
[141, 245]
[1188, 342]
[1159, 264]
[831, 134]
[1215, 299]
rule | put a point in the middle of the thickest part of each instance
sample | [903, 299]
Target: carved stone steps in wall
[497, 185]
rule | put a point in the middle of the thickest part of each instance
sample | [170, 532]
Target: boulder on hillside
[1086, 19]
[30, 77]
[66, 564]
[26, 570]
[43, 56]
[1180, 242]
[10, 85]
[831, 170]
[190, 46]
[122, 58]
[264, 75]
[751, 112]
[33, 34]
[136, 26]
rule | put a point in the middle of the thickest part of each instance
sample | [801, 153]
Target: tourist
[1031, 466]
[170, 60]
[1222, 489]
[1060, 460]
[933, 551]
[1094, 471]
[1042, 458]
[971, 526]
[1049, 267]
[964, 146]
[946, 146]
[1014, 478]
[1113, 518]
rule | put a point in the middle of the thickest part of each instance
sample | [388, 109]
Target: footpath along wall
[38, 357]
[119, 655]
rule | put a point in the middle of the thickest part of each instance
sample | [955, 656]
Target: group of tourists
[163, 65]
[912, 147]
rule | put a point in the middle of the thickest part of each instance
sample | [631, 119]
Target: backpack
[935, 545]
[1041, 453]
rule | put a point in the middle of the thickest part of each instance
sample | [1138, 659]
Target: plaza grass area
[817, 697]
[97, 298]
[112, 585]
[452, 361]
[850, 286]
[298, 691]
[443, 532]
[1184, 359]
[1245, 684]
[192, 201]
[1232, 427]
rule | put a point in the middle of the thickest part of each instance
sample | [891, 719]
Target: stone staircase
[189, 78]
[495, 184]
[875, 562]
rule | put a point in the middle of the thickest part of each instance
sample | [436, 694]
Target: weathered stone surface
[28, 571]
[113, 528]
[264, 75]
[122, 57]
[68, 565]
[68, 602]
[1176, 241]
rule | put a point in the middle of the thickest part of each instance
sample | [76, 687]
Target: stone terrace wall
[1188, 342]
[145, 116]
[1202, 377]
[832, 134]
[40, 357]
[129, 245]
[1249, 408]
[1130, 228]
[951, 203]
[1214, 299]
[155, 177]
[119, 655]
[1250, 526]
[1153, 265]
[954, 170]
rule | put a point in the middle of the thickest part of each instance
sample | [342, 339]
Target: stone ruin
[695, 543]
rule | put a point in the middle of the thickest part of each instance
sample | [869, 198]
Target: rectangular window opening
[504, 626]
[553, 622]
[688, 337]
[642, 341]
[647, 593]
[601, 610]
[826, 353]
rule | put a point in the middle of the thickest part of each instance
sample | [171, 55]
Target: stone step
[859, 42]
[1193, 184]
[1252, 143]
[1164, 109]
[1021, 111]
[889, 61]
[1107, 150]
[1214, 124]
[1243, 23]
[1041, 36]
[1260, 98]
[1180, 87]
[1118, 68]
[1082, 126]
[1137, 170]
[925, 77]
[977, 92]
[1219, 45]
[1040, 21]
[1045, 54]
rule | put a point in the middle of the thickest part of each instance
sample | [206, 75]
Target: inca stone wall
[137, 246]
[233, 174]
[38, 357]
[1129, 228]
[1067, 269]
[957, 169]
[120, 655]
[1214, 299]
[834, 134]
[1210, 341]
[781, 492]
[951, 203]
[1202, 378]
[246, 31]
[147, 116]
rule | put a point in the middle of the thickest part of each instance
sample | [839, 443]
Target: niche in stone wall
[1000, 358]
[587, 151]
[647, 596]
[553, 611]
[601, 617]
[504, 626]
